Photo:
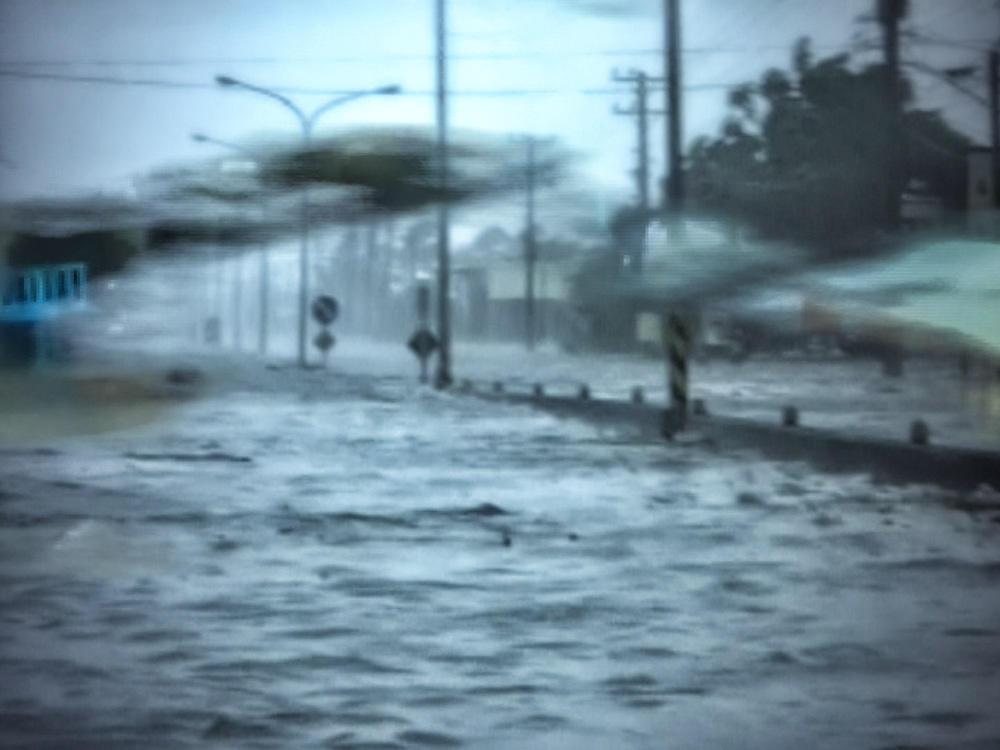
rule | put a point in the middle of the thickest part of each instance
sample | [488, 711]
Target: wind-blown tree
[105, 252]
[804, 154]
[369, 173]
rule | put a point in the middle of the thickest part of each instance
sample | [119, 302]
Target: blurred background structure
[795, 137]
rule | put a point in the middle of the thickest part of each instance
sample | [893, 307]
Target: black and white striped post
[676, 343]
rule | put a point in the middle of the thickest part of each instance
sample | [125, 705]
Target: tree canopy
[803, 154]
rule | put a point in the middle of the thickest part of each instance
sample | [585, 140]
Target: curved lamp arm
[202, 138]
[306, 122]
[346, 98]
[232, 82]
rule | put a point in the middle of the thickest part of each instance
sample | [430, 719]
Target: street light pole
[306, 122]
[442, 378]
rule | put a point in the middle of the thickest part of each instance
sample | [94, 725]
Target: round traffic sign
[324, 340]
[422, 343]
[324, 309]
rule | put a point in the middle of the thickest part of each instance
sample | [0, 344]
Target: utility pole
[993, 73]
[442, 378]
[388, 262]
[890, 12]
[674, 181]
[674, 329]
[265, 312]
[263, 287]
[219, 263]
[641, 111]
[531, 172]
[369, 277]
[238, 302]
[530, 250]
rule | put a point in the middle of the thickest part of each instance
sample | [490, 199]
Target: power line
[974, 45]
[924, 68]
[104, 79]
[166, 83]
[183, 62]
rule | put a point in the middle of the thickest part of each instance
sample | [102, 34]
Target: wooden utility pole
[531, 180]
[890, 12]
[993, 72]
[371, 245]
[442, 378]
[238, 302]
[674, 330]
[530, 250]
[263, 274]
[219, 263]
[674, 180]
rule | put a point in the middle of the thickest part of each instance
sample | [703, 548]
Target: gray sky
[65, 136]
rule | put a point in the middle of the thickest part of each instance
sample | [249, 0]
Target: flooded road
[325, 559]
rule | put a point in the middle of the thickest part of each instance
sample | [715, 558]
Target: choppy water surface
[325, 564]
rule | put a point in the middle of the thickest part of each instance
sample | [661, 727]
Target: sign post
[423, 343]
[324, 312]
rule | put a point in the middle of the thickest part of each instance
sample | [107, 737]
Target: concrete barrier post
[920, 433]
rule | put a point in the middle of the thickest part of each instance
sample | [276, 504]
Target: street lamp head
[199, 137]
[225, 81]
[393, 89]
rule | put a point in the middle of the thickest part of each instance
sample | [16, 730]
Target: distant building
[505, 305]
[981, 190]
[31, 300]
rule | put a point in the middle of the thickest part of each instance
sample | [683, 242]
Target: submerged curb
[885, 460]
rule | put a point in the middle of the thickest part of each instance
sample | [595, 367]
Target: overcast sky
[539, 66]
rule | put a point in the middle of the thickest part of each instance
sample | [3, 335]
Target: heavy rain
[522, 374]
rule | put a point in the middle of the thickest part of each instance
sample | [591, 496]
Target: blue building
[32, 301]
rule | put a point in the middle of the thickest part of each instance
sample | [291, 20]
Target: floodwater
[325, 559]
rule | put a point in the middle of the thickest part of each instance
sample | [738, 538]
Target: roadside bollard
[920, 433]
[671, 422]
[538, 390]
[698, 407]
[637, 395]
[789, 417]
[497, 386]
[584, 393]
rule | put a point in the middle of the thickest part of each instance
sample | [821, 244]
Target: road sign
[422, 343]
[325, 309]
[324, 341]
